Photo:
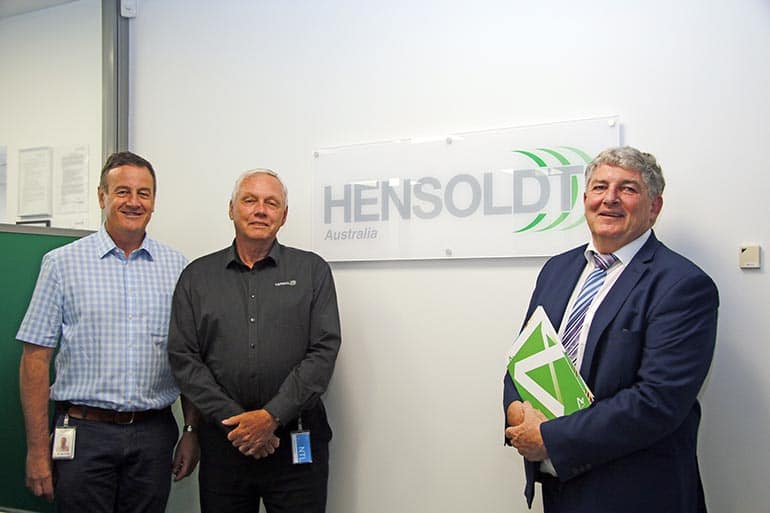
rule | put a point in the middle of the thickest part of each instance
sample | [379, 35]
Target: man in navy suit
[644, 348]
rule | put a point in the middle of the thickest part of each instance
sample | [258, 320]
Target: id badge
[300, 447]
[64, 441]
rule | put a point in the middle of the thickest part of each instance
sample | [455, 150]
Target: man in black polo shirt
[253, 339]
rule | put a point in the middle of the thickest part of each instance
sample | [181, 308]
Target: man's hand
[525, 436]
[266, 449]
[515, 413]
[253, 433]
[186, 455]
[40, 475]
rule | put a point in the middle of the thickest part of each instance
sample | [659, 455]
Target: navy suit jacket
[648, 351]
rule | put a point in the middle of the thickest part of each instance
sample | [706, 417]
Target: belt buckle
[121, 414]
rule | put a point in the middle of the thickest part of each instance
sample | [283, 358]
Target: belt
[79, 411]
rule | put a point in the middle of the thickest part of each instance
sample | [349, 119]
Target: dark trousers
[623, 497]
[233, 483]
[552, 494]
[117, 468]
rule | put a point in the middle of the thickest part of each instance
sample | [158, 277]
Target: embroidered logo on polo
[289, 283]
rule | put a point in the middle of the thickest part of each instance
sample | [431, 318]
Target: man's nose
[611, 195]
[259, 208]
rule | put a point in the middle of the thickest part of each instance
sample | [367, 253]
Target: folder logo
[541, 371]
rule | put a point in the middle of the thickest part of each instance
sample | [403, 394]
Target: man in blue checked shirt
[105, 302]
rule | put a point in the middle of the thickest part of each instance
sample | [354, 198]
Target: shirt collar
[624, 254]
[105, 245]
[273, 256]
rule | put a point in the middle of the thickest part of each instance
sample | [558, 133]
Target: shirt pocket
[158, 315]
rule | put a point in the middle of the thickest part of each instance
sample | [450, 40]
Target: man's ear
[657, 206]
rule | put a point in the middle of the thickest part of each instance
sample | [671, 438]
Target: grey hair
[259, 171]
[628, 157]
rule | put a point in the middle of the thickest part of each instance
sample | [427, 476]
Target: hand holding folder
[542, 372]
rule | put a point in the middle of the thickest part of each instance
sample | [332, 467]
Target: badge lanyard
[300, 444]
[64, 441]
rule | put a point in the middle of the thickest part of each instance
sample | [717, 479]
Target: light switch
[748, 257]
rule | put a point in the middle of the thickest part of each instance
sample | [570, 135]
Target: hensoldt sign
[508, 192]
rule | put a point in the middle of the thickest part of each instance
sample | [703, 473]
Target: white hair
[259, 171]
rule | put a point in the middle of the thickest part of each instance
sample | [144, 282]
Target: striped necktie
[591, 286]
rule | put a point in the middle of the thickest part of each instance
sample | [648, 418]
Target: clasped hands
[253, 433]
[523, 430]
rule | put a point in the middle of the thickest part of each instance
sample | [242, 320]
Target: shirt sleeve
[192, 375]
[42, 324]
[309, 379]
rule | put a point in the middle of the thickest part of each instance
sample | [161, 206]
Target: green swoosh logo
[574, 187]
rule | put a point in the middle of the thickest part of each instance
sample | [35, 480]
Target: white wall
[51, 90]
[220, 87]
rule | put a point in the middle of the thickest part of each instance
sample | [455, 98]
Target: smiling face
[618, 207]
[128, 201]
[258, 210]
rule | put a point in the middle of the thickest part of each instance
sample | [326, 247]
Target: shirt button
[253, 296]
[253, 345]
[251, 319]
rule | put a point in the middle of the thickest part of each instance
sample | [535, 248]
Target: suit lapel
[555, 301]
[615, 298]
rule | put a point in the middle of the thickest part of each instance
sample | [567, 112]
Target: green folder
[543, 373]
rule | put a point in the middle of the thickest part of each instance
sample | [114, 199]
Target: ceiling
[13, 7]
